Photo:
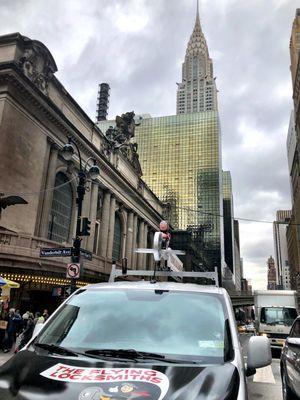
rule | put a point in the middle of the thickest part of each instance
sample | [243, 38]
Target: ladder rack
[115, 273]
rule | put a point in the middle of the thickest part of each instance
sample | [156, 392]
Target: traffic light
[86, 226]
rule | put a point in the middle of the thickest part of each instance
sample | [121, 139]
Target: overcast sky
[138, 46]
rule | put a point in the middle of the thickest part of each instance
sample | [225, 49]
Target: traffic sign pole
[75, 259]
[76, 243]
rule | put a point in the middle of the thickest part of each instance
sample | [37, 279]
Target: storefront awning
[8, 283]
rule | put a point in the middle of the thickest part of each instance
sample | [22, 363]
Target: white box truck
[275, 311]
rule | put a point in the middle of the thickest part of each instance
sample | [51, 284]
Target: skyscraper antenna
[197, 15]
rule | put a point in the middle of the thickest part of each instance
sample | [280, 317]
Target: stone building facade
[271, 273]
[37, 116]
[293, 147]
[281, 249]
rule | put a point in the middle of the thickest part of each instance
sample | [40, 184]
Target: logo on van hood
[114, 383]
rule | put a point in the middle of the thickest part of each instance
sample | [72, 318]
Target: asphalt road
[266, 383]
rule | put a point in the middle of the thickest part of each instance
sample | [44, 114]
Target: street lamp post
[82, 224]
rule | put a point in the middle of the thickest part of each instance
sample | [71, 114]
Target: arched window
[61, 210]
[97, 224]
[116, 252]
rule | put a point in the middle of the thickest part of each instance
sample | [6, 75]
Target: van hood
[29, 376]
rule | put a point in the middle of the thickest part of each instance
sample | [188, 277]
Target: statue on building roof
[120, 137]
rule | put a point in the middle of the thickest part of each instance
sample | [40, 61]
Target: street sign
[86, 254]
[73, 271]
[56, 252]
[64, 252]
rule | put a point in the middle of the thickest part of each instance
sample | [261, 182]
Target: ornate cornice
[52, 143]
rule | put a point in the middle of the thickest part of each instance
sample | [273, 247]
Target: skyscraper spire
[197, 40]
[197, 22]
[197, 92]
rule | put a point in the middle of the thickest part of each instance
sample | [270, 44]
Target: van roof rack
[118, 272]
[167, 264]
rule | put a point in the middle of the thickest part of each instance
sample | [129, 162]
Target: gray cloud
[138, 47]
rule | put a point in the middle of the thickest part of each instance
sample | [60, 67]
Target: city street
[264, 385]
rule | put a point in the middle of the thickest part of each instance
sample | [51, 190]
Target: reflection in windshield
[179, 324]
[278, 315]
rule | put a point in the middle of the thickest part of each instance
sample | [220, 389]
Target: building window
[116, 252]
[99, 208]
[61, 210]
[96, 237]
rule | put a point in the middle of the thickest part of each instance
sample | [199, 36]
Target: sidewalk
[5, 356]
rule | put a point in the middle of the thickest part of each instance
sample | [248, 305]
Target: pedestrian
[45, 315]
[10, 331]
[36, 317]
[25, 319]
[39, 320]
[3, 326]
[28, 331]
[18, 321]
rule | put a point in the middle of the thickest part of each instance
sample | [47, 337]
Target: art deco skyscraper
[197, 92]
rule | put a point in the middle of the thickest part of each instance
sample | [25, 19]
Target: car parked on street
[136, 340]
[241, 328]
[290, 363]
[250, 328]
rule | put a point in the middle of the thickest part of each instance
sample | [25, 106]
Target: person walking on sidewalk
[10, 332]
[28, 331]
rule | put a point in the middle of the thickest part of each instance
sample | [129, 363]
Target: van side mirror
[259, 354]
[293, 341]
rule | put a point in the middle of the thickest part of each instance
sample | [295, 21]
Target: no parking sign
[73, 271]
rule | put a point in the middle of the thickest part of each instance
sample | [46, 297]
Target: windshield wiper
[132, 354]
[53, 348]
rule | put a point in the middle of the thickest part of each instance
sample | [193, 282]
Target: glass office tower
[228, 220]
[181, 162]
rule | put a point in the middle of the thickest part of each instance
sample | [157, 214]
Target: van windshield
[278, 315]
[185, 325]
